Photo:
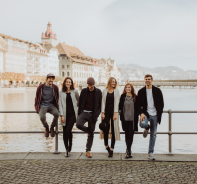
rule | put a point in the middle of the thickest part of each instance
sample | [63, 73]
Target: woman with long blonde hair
[110, 115]
[128, 115]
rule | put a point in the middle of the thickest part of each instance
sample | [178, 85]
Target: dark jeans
[67, 129]
[52, 110]
[109, 113]
[83, 118]
[129, 133]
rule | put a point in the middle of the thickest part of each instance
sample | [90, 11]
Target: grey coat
[62, 103]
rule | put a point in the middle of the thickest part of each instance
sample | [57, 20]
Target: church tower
[48, 36]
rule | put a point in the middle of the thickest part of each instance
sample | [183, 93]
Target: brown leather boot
[52, 132]
[46, 133]
[88, 154]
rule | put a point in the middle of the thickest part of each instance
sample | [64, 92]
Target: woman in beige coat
[110, 115]
[68, 103]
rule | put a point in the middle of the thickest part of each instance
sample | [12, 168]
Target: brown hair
[64, 88]
[148, 75]
[132, 90]
[110, 81]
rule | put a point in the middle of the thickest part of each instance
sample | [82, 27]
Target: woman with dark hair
[128, 115]
[68, 104]
[109, 109]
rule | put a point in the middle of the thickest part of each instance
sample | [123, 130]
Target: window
[75, 74]
[68, 74]
[68, 66]
[62, 74]
[62, 66]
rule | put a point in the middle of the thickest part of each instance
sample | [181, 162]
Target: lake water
[175, 99]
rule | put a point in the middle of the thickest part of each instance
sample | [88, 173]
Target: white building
[53, 60]
[15, 59]
[2, 55]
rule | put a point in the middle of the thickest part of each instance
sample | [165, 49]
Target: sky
[150, 33]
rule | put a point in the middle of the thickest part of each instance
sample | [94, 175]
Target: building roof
[16, 39]
[73, 52]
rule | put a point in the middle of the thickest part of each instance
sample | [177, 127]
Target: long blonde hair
[110, 81]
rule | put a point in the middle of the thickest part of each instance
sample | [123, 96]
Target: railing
[80, 132]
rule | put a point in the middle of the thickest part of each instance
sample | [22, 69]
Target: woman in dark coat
[128, 115]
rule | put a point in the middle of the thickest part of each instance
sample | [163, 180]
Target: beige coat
[116, 109]
[62, 103]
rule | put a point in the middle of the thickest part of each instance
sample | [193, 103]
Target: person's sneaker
[130, 154]
[88, 154]
[46, 133]
[151, 156]
[52, 132]
[145, 133]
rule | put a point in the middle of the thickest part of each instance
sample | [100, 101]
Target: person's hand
[142, 117]
[115, 116]
[103, 116]
[62, 119]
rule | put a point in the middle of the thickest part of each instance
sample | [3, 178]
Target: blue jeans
[153, 130]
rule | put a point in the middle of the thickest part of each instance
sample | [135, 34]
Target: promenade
[43, 167]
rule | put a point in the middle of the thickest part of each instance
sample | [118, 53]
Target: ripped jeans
[153, 131]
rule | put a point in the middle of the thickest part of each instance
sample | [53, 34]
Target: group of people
[146, 106]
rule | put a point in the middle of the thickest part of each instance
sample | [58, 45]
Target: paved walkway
[40, 168]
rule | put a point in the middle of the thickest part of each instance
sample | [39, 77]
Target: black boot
[70, 147]
[110, 153]
[130, 154]
[127, 154]
[108, 149]
[67, 153]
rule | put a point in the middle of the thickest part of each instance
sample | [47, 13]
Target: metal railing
[80, 132]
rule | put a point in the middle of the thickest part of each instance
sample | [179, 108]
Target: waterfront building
[15, 57]
[2, 54]
[73, 63]
[49, 36]
[37, 60]
[53, 60]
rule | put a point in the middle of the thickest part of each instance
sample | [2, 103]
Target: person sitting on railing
[88, 111]
[47, 100]
[150, 108]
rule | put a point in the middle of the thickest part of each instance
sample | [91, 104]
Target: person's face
[91, 87]
[68, 83]
[113, 83]
[148, 81]
[50, 80]
[128, 89]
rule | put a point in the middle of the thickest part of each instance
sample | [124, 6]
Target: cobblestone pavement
[80, 171]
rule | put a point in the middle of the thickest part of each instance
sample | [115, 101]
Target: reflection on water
[175, 99]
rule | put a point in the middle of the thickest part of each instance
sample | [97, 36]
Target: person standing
[88, 111]
[128, 115]
[68, 103]
[47, 100]
[110, 115]
[150, 108]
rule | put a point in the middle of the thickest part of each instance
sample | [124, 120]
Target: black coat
[121, 107]
[97, 101]
[158, 101]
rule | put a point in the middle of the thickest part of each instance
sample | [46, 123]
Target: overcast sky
[149, 33]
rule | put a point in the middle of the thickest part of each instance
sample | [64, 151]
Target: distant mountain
[137, 72]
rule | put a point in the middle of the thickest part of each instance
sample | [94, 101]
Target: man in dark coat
[47, 100]
[150, 108]
[89, 109]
